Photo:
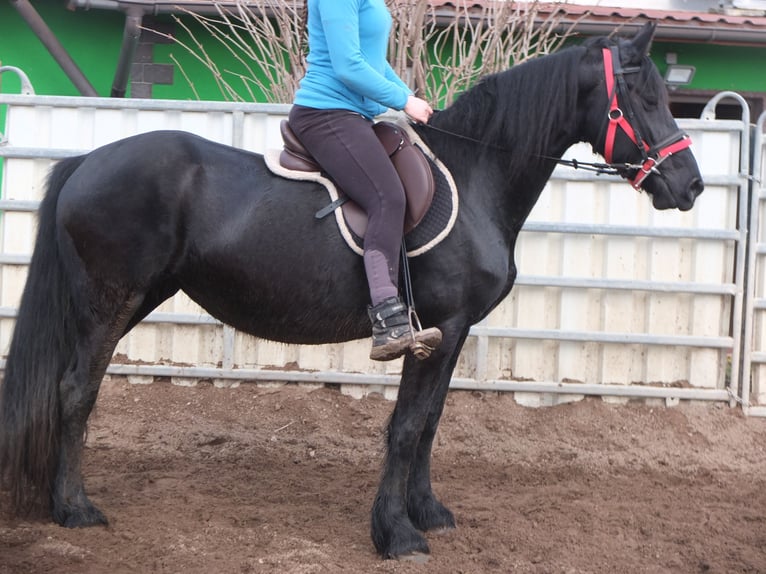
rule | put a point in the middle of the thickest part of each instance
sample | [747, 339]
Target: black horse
[126, 226]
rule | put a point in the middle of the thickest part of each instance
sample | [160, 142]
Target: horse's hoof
[407, 545]
[78, 522]
[430, 515]
[81, 518]
[416, 557]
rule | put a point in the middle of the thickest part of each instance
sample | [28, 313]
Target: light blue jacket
[347, 65]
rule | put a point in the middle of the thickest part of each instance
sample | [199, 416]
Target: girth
[408, 160]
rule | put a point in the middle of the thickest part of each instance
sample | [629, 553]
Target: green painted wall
[192, 70]
[93, 38]
[718, 68]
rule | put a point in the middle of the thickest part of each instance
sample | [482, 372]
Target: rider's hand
[418, 110]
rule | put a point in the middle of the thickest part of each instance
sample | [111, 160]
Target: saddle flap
[418, 182]
[410, 163]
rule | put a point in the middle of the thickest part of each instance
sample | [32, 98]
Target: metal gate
[613, 297]
[754, 370]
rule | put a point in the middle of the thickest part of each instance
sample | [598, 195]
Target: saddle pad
[433, 228]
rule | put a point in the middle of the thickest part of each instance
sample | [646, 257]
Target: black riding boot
[392, 333]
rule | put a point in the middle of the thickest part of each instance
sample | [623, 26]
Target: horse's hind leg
[98, 336]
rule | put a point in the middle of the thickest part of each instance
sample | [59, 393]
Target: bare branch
[438, 53]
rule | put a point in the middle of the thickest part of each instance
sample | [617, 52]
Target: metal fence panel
[612, 296]
[754, 362]
[614, 292]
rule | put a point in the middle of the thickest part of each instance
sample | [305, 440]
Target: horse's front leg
[423, 508]
[393, 533]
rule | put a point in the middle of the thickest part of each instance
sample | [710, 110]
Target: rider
[348, 82]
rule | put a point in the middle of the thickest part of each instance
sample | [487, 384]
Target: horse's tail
[42, 345]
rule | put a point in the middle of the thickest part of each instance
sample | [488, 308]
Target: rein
[600, 168]
[465, 137]
[651, 156]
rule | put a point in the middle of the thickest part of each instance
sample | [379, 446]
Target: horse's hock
[613, 298]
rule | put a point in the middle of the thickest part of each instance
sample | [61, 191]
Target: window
[689, 104]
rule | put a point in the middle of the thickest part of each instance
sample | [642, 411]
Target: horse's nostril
[696, 187]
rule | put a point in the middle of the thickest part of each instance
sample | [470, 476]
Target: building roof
[727, 26]
[723, 26]
[696, 26]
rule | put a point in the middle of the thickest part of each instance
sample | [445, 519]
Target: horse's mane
[521, 109]
[524, 109]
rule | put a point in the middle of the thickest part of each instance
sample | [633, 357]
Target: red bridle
[651, 156]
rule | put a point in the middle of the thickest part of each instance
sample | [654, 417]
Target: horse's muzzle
[664, 198]
[695, 188]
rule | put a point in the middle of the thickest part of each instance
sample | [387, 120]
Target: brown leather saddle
[410, 163]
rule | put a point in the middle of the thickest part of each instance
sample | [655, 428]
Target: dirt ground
[261, 479]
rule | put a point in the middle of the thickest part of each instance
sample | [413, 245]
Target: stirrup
[424, 341]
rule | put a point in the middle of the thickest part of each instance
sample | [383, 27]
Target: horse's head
[629, 122]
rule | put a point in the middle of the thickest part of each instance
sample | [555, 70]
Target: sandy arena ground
[255, 479]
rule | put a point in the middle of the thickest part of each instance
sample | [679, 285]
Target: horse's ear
[641, 42]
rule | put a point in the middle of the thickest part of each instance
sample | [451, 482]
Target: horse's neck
[504, 133]
[530, 104]
[508, 179]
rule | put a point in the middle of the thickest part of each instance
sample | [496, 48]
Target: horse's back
[130, 198]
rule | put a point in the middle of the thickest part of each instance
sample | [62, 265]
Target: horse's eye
[650, 103]
[647, 95]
